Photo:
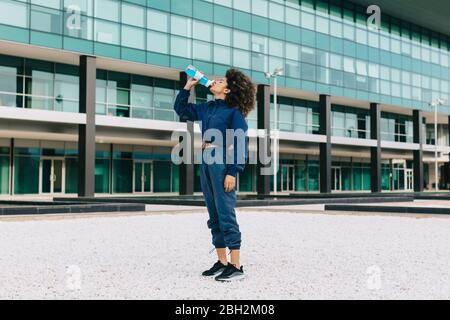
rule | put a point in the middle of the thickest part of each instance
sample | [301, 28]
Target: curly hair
[242, 91]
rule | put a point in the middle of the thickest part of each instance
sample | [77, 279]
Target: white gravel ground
[285, 256]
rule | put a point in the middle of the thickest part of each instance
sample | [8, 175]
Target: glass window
[222, 55]
[180, 47]
[243, 5]
[293, 16]
[14, 13]
[276, 12]
[202, 30]
[395, 46]
[373, 39]
[336, 29]
[322, 58]
[157, 20]
[222, 35]
[66, 93]
[275, 63]
[292, 68]
[241, 40]
[259, 44]
[445, 60]
[260, 62]
[361, 67]
[349, 32]
[335, 61]
[259, 7]
[406, 48]
[385, 73]
[374, 70]
[133, 15]
[157, 42]
[406, 77]
[322, 24]
[83, 31]
[308, 55]
[349, 65]
[202, 50]
[241, 59]
[181, 26]
[395, 88]
[292, 51]
[307, 20]
[85, 6]
[55, 4]
[425, 54]
[107, 9]
[308, 72]
[107, 32]
[395, 75]
[133, 37]
[226, 3]
[276, 47]
[361, 36]
[45, 19]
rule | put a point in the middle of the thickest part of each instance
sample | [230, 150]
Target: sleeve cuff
[232, 171]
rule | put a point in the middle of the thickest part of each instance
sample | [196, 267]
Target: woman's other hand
[229, 183]
[191, 83]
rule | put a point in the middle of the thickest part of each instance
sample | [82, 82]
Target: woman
[234, 99]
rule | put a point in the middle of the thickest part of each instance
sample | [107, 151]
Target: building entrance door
[52, 175]
[409, 179]
[287, 177]
[336, 179]
[142, 182]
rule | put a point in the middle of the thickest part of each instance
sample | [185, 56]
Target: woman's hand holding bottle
[191, 83]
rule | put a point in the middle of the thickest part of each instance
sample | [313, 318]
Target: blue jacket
[216, 114]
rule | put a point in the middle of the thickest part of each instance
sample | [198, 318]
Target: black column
[325, 147]
[263, 151]
[86, 132]
[375, 152]
[418, 154]
[186, 172]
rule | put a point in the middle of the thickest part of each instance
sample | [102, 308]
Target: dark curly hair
[242, 91]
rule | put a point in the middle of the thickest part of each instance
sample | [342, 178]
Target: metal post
[436, 176]
[275, 126]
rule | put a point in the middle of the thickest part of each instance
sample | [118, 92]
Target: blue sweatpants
[222, 216]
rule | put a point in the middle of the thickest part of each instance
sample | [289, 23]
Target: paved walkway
[286, 256]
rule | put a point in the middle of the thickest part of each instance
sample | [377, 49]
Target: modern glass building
[87, 90]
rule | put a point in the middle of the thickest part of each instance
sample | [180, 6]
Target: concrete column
[375, 152]
[418, 154]
[186, 172]
[325, 148]
[263, 122]
[86, 132]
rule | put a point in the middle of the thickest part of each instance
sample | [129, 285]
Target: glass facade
[324, 46]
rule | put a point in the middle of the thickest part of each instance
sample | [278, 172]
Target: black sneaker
[231, 273]
[216, 269]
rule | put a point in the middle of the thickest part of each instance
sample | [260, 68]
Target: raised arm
[184, 109]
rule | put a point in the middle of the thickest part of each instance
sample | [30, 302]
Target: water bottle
[197, 75]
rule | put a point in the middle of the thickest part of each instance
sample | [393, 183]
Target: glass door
[143, 176]
[52, 175]
[409, 182]
[336, 179]
[287, 177]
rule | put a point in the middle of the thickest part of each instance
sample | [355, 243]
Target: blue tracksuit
[218, 115]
